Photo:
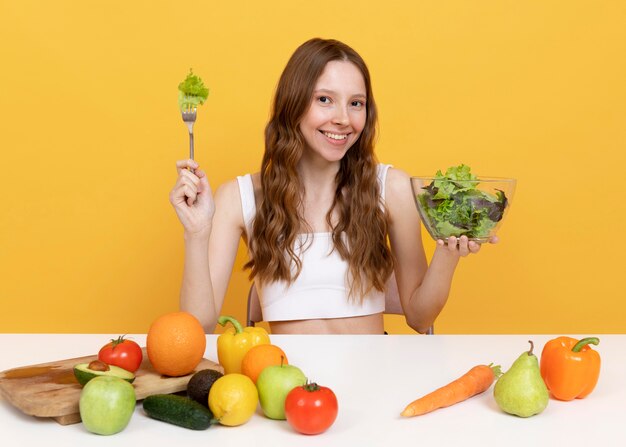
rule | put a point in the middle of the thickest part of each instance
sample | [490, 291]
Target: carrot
[473, 382]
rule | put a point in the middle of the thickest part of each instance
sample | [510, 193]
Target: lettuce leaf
[192, 92]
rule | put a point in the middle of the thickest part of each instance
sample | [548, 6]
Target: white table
[374, 377]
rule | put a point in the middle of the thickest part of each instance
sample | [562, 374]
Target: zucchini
[179, 410]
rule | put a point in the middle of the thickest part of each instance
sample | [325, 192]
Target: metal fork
[189, 117]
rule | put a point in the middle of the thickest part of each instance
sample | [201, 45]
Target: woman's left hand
[462, 245]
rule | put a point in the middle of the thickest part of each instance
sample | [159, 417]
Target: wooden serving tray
[51, 390]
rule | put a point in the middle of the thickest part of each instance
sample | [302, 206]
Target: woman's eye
[324, 99]
[357, 103]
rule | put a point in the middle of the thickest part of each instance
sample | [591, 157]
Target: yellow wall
[90, 131]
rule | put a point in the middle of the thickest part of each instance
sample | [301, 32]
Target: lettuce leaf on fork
[191, 92]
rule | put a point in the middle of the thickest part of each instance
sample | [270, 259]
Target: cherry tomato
[311, 409]
[123, 353]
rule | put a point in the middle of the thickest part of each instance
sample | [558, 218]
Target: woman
[317, 217]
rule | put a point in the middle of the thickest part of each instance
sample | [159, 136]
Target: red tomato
[311, 409]
[123, 353]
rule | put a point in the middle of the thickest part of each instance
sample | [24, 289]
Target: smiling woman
[326, 89]
[317, 217]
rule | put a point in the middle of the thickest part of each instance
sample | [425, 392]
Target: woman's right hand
[192, 197]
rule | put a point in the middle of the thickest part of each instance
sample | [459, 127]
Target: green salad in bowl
[458, 203]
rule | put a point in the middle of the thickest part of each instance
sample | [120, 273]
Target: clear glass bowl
[474, 208]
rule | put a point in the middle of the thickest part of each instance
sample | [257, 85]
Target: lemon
[233, 399]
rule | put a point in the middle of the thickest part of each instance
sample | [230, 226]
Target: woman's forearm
[431, 296]
[196, 294]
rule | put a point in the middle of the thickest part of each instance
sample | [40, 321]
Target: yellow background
[90, 131]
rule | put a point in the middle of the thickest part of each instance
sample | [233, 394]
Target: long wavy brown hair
[360, 232]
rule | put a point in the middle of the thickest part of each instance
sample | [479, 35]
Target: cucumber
[179, 410]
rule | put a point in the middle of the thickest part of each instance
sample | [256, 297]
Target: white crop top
[321, 289]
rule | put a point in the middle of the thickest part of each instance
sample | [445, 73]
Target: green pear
[521, 390]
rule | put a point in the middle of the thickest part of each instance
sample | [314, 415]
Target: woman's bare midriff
[367, 324]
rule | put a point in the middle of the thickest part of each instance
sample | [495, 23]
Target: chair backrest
[254, 307]
[392, 303]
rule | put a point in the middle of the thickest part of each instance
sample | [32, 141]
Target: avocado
[178, 410]
[200, 384]
[84, 372]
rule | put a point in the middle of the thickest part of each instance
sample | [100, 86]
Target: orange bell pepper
[569, 367]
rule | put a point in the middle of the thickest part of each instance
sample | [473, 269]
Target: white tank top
[321, 290]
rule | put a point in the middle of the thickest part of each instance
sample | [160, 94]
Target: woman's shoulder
[399, 197]
[398, 189]
[228, 189]
[242, 187]
[234, 185]
[397, 180]
[234, 198]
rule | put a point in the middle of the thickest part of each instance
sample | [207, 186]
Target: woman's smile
[335, 138]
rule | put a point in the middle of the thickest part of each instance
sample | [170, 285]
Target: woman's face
[337, 112]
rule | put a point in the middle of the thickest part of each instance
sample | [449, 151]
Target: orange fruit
[175, 343]
[259, 357]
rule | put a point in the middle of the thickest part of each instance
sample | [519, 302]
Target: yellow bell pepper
[236, 341]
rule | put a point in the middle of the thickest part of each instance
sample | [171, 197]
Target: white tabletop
[374, 377]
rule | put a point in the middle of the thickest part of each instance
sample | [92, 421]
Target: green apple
[106, 404]
[274, 383]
